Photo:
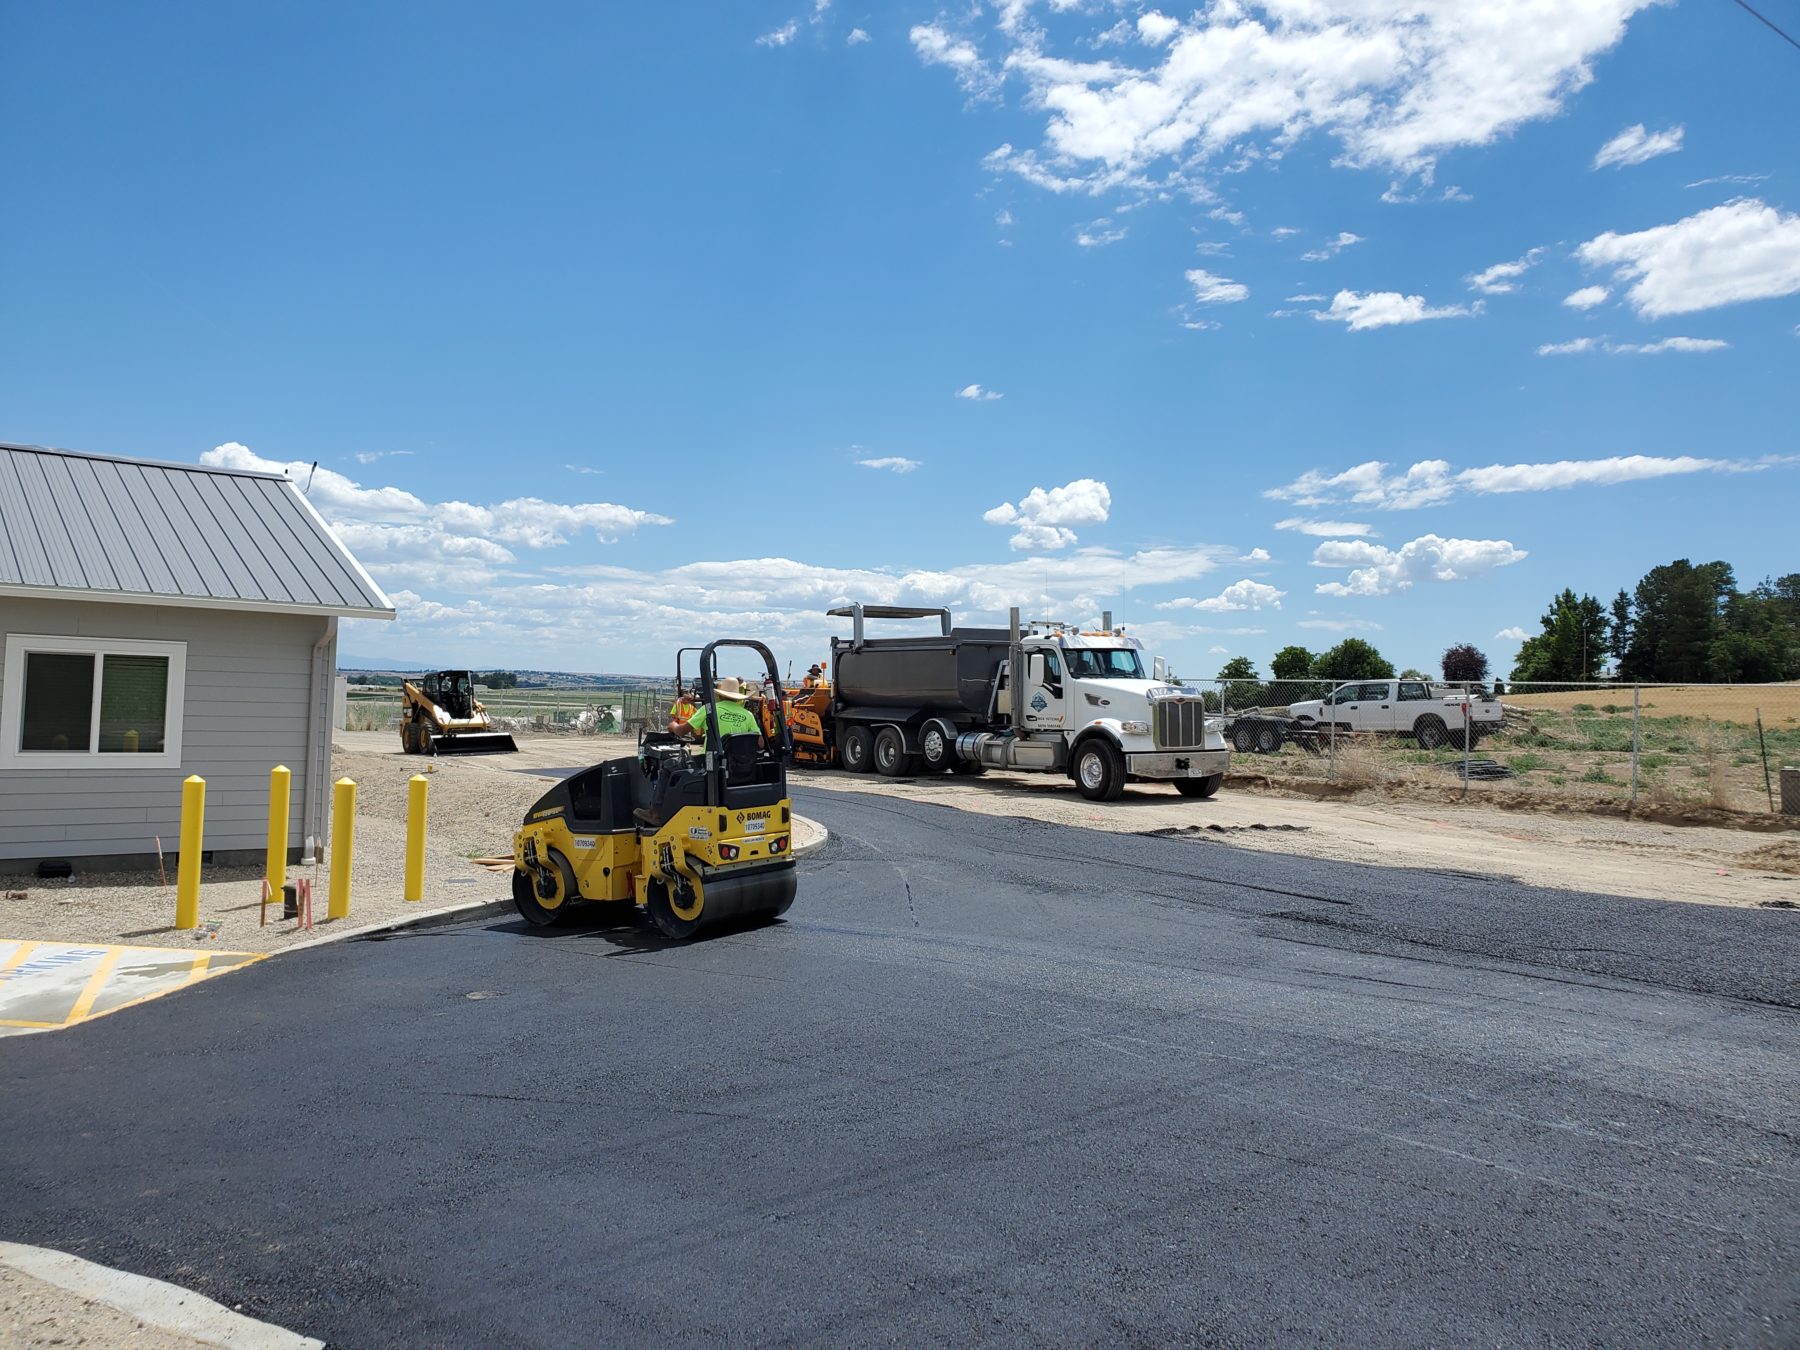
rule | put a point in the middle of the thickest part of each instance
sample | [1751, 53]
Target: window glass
[1052, 669]
[1374, 693]
[1117, 663]
[1412, 689]
[134, 698]
[59, 702]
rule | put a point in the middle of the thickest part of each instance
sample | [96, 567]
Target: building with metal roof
[161, 620]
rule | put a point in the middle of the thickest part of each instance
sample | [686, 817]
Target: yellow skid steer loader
[696, 836]
[441, 716]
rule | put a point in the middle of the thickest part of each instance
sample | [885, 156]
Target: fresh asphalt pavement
[991, 1080]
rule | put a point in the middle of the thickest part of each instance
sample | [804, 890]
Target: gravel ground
[37, 1316]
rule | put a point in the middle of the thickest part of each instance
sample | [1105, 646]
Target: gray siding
[247, 708]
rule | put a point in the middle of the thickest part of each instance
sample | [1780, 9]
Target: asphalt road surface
[990, 1081]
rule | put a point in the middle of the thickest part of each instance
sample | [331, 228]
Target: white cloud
[1214, 290]
[1218, 651]
[1514, 634]
[1735, 179]
[1305, 299]
[781, 36]
[1042, 517]
[1668, 344]
[1744, 250]
[1256, 555]
[1240, 595]
[1634, 145]
[1432, 481]
[583, 468]
[976, 394]
[372, 456]
[857, 36]
[1156, 28]
[1101, 233]
[1003, 218]
[1325, 528]
[1332, 248]
[1502, 278]
[1394, 82]
[938, 47]
[1284, 232]
[400, 535]
[894, 463]
[1340, 625]
[1382, 571]
[1382, 309]
[1453, 193]
[1587, 297]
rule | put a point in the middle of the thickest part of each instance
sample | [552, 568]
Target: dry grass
[1780, 703]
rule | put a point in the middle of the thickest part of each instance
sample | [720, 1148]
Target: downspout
[318, 736]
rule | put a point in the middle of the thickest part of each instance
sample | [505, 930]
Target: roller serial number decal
[584, 843]
[755, 826]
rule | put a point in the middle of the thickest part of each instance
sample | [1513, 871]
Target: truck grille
[1180, 724]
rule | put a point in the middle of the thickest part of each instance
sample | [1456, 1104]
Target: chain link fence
[1718, 746]
[546, 712]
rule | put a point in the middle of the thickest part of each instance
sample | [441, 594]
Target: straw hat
[731, 687]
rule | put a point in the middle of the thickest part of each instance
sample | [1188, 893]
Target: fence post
[275, 861]
[187, 868]
[415, 837]
[1636, 689]
[343, 841]
[1468, 727]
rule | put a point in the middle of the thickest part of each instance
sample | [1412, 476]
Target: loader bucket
[474, 743]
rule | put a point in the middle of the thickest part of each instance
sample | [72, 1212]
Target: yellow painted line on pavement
[96, 982]
[198, 972]
[13, 1022]
[18, 957]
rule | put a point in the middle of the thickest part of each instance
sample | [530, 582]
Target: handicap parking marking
[45, 986]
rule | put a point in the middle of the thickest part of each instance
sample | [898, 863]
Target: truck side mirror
[1034, 668]
[1159, 669]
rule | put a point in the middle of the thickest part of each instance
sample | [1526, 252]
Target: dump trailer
[694, 836]
[1083, 705]
[441, 716]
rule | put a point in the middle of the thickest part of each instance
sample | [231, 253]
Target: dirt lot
[1780, 703]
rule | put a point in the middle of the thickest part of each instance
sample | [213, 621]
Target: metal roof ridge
[147, 463]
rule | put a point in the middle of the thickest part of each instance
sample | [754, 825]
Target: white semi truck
[1084, 705]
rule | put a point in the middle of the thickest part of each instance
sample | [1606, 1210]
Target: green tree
[1292, 663]
[1465, 663]
[1240, 684]
[1353, 659]
[1570, 647]
[1238, 668]
[1618, 642]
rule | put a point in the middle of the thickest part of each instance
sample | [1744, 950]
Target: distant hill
[349, 664]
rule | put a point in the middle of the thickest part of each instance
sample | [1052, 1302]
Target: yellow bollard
[343, 837]
[187, 870]
[415, 837]
[275, 864]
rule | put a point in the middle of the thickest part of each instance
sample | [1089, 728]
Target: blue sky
[591, 317]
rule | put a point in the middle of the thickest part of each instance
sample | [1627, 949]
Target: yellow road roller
[696, 834]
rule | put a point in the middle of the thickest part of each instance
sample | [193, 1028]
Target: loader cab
[451, 690]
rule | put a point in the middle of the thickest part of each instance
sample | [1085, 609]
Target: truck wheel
[1199, 787]
[856, 751]
[1099, 771]
[937, 742]
[891, 759]
[1268, 739]
[1456, 735]
[1430, 733]
[1243, 738]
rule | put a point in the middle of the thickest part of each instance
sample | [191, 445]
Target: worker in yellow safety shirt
[734, 718]
[681, 710]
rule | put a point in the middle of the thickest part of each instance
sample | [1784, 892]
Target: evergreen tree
[1571, 645]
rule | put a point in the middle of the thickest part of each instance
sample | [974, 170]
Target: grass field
[1780, 703]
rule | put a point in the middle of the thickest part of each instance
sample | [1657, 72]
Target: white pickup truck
[1413, 708]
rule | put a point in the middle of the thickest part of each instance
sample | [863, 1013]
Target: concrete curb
[167, 1307]
[817, 837]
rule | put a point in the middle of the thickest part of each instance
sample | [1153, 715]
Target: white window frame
[12, 703]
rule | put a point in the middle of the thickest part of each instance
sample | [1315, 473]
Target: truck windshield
[1115, 663]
